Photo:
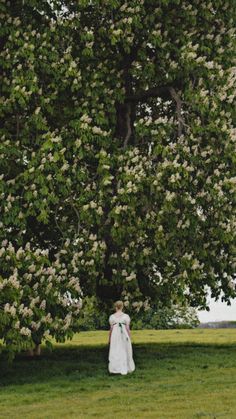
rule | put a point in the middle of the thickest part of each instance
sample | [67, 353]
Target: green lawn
[180, 374]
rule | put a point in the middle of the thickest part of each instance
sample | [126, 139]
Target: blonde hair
[119, 305]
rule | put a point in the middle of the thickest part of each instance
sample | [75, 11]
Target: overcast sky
[218, 311]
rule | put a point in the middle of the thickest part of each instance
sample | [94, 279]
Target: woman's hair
[119, 305]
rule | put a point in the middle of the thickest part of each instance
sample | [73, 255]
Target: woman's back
[114, 318]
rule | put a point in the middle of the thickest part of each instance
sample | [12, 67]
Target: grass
[179, 374]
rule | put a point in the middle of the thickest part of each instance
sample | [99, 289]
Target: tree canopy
[117, 154]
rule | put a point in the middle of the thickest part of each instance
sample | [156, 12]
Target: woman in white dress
[120, 351]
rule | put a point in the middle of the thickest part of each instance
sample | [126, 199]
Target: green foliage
[91, 316]
[94, 317]
[176, 317]
[37, 299]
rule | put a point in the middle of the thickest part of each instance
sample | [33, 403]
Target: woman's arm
[127, 326]
[110, 332]
[128, 329]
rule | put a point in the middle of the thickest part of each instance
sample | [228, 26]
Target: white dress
[120, 351]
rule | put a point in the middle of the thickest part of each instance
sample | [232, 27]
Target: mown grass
[179, 374]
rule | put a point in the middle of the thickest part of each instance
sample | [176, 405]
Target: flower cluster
[37, 295]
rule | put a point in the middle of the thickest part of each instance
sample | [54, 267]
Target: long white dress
[120, 351]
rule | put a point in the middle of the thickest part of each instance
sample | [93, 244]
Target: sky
[218, 311]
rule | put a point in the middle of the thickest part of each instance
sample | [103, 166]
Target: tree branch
[55, 218]
[78, 218]
[17, 126]
[128, 123]
[146, 94]
[178, 101]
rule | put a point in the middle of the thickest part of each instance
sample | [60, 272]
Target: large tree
[117, 139]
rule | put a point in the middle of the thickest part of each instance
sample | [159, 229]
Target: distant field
[180, 374]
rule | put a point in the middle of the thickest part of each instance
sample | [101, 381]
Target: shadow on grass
[76, 363]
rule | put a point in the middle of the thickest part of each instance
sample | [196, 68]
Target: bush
[176, 317]
[93, 316]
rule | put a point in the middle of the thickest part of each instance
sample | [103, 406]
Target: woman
[120, 351]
